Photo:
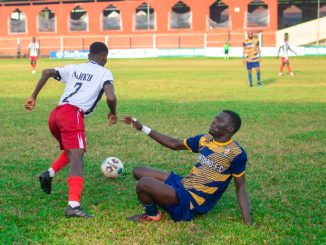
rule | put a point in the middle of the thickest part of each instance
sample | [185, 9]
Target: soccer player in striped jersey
[284, 50]
[34, 52]
[251, 57]
[219, 160]
[84, 86]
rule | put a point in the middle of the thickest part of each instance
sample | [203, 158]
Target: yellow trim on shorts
[238, 175]
[199, 200]
[191, 206]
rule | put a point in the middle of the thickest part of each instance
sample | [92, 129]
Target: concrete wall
[304, 33]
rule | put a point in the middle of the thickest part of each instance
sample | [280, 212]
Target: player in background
[226, 51]
[284, 50]
[251, 57]
[85, 85]
[34, 53]
[219, 160]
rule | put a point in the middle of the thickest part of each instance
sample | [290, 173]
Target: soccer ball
[112, 167]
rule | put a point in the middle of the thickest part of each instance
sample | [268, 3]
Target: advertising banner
[187, 52]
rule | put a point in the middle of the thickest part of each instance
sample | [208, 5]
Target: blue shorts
[180, 211]
[251, 65]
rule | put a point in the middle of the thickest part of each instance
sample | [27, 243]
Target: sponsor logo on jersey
[211, 164]
[226, 151]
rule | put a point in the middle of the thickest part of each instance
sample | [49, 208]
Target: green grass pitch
[283, 132]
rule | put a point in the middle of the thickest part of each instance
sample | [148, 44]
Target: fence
[13, 46]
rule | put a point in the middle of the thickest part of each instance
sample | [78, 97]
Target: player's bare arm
[292, 50]
[46, 74]
[243, 199]
[165, 140]
[278, 52]
[111, 100]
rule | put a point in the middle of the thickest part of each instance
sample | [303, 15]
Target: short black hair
[98, 47]
[235, 119]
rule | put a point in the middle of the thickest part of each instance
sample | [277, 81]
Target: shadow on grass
[269, 81]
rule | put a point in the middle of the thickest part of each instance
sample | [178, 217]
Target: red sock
[281, 68]
[60, 162]
[289, 68]
[75, 184]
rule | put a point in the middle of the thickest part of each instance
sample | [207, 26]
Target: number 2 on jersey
[77, 86]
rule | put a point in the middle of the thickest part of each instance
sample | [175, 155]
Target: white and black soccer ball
[112, 167]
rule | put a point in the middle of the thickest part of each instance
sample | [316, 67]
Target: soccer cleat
[46, 181]
[292, 74]
[33, 71]
[140, 218]
[280, 74]
[76, 212]
[259, 84]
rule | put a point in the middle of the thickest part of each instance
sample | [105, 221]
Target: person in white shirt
[85, 85]
[34, 52]
[284, 50]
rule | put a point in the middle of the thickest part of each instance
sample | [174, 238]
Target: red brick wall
[127, 37]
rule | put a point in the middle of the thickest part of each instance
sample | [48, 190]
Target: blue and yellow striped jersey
[211, 175]
[251, 50]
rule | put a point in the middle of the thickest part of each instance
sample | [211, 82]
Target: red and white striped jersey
[33, 49]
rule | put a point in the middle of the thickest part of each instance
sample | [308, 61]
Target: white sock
[73, 204]
[51, 171]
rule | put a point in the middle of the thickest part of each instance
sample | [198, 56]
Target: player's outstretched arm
[243, 199]
[165, 140]
[46, 74]
[111, 100]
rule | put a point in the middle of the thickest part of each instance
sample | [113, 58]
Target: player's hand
[112, 119]
[244, 61]
[132, 122]
[29, 104]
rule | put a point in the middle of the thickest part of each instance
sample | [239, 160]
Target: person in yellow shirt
[220, 159]
[251, 57]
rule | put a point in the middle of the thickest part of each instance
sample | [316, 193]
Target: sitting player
[219, 159]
